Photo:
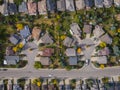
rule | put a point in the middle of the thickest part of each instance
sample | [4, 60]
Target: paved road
[28, 71]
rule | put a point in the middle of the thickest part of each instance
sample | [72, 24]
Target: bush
[37, 65]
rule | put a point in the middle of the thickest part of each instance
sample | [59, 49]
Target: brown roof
[9, 51]
[32, 8]
[47, 52]
[36, 33]
[42, 7]
[87, 28]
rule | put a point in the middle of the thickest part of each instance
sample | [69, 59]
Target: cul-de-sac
[59, 44]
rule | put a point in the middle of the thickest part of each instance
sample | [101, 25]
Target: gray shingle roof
[45, 60]
[12, 8]
[51, 5]
[68, 41]
[61, 5]
[106, 38]
[12, 60]
[25, 32]
[72, 60]
[87, 28]
[70, 5]
[70, 52]
[15, 39]
[23, 7]
[99, 3]
[88, 3]
[108, 3]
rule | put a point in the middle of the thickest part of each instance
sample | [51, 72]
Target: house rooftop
[23, 7]
[36, 33]
[45, 60]
[70, 52]
[12, 8]
[98, 31]
[68, 41]
[75, 29]
[72, 60]
[11, 60]
[51, 6]
[32, 8]
[16, 87]
[104, 51]
[46, 39]
[15, 39]
[117, 3]
[99, 3]
[47, 52]
[25, 32]
[108, 3]
[89, 3]
[80, 4]
[61, 5]
[42, 7]
[106, 38]
[100, 60]
[87, 29]
[9, 51]
[70, 5]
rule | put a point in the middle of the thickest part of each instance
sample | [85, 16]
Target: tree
[18, 2]
[1, 2]
[37, 65]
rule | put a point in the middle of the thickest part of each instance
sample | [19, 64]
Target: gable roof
[70, 5]
[87, 28]
[36, 33]
[45, 60]
[42, 7]
[117, 3]
[46, 52]
[72, 60]
[12, 8]
[9, 51]
[88, 3]
[98, 31]
[104, 51]
[99, 3]
[23, 7]
[108, 3]
[68, 41]
[106, 38]
[80, 4]
[100, 60]
[51, 6]
[5, 11]
[32, 8]
[75, 29]
[61, 5]
[25, 32]
[70, 52]
[14, 39]
[12, 60]
[46, 39]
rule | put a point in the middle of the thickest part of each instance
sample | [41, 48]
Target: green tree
[18, 2]
[37, 65]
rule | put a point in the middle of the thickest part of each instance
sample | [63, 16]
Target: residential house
[11, 60]
[75, 29]
[100, 60]
[5, 9]
[16, 87]
[9, 51]
[34, 87]
[12, 8]
[61, 5]
[32, 8]
[70, 52]
[99, 3]
[2, 8]
[105, 51]
[25, 32]
[108, 3]
[72, 60]
[70, 5]
[36, 33]
[42, 7]
[9, 85]
[45, 61]
[87, 29]
[117, 3]
[46, 39]
[89, 3]
[98, 31]
[106, 38]
[51, 5]
[23, 8]
[67, 42]
[47, 52]
[80, 4]
[15, 39]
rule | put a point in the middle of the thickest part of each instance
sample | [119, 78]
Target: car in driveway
[87, 61]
